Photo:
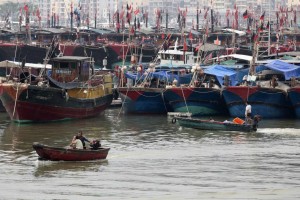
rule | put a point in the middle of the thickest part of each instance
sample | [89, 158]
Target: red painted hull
[66, 154]
[35, 104]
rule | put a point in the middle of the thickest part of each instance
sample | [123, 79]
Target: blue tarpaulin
[289, 70]
[166, 76]
[220, 71]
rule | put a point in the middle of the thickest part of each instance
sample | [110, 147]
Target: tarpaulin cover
[220, 71]
[289, 70]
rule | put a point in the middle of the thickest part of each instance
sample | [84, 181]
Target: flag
[26, 8]
[255, 37]
[185, 46]
[227, 13]
[137, 11]
[209, 57]
[248, 30]
[205, 14]
[190, 35]
[262, 17]
[245, 15]
[198, 47]
[163, 36]
[132, 30]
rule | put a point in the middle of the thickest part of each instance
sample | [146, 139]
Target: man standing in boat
[248, 113]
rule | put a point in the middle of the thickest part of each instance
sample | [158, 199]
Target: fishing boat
[267, 92]
[46, 152]
[202, 97]
[197, 123]
[147, 94]
[70, 90]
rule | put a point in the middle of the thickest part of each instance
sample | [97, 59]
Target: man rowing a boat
[82, 138]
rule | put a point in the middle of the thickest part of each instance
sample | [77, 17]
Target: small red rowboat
[69, 154]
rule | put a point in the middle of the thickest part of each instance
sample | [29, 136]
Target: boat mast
[269, 34]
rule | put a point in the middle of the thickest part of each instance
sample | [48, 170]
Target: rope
[16, 98]
[184, 100]
[162, 96]
[123, 103]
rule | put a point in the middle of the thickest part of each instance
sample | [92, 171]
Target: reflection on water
[48, 168]
[151, 158]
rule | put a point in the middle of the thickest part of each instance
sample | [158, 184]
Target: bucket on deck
[238, 120]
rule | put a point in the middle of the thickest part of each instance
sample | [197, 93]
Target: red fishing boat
[46, 152]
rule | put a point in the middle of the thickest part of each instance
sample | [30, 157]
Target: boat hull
[266, 102]
[294, 95]
[38, 104]
[144, 101]
[212, 125]
[67, 154]
[197, 101]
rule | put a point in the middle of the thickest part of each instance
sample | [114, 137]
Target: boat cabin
[72, 68]
[21, 71]
[176, 56]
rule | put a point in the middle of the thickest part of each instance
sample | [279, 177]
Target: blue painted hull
[197, 101]
[266, 102]
[294, 95]
[144, 101]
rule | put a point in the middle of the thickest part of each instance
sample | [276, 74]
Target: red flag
[198, 47]
[262, 17]
[163, 36]
[248, 30]
[132, 30]
[227, 13]
[137, 11]
[209, 57]
[205, 14]
[190, 35]
[255, 37]
[245, 15]
[26, 8]
[185, 46]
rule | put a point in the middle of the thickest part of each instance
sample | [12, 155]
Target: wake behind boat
[197, 123]
[46, 152]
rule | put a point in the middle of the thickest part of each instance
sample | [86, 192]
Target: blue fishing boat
[202, 97]
[145, 96]
[267, 93]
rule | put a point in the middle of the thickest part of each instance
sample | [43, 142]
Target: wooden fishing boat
[215, 125]
[71, 90]
[68, 154]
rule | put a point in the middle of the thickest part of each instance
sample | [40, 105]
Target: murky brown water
[151, 158]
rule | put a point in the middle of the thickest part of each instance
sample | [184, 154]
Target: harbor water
[152, 158]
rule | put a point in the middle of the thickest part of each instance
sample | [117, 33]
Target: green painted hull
[212, 125]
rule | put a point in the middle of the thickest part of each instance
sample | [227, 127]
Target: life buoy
[173, 120]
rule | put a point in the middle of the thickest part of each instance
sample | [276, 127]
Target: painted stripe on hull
[199, 108]
[48, 105]
[198, 101]
[144, 105]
